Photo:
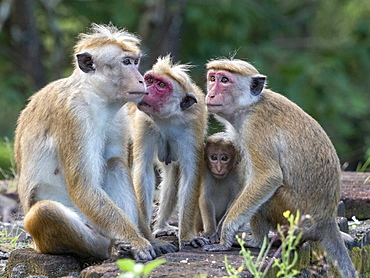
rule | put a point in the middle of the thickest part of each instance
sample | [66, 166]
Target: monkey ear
[85, 62]
[257, 85]
[187, 101]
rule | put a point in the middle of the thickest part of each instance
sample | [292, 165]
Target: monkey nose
[218, 167]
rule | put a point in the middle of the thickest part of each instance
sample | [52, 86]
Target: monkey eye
[162, 84]
[214, 157]
[224, 158]
[224, 79]
[149, 80]
[136, 61]
[126, 61]
[212, 78]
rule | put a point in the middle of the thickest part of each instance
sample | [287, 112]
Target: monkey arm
[145, 144]
[144, 184]
[257, 192]
[85, 183]
[93, 202]
[168, 200]
[207, 209]
[144, 176]
[261, 184]
[189, 191]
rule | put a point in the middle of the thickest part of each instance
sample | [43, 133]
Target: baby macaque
[222, 181]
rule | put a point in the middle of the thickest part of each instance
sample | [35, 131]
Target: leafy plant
[254, 267]
[137, 270]
[364, 167]
[290, 237]
[288, 247]
[7, 241]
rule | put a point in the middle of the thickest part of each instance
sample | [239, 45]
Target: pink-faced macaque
[169, 129]
[290, 162]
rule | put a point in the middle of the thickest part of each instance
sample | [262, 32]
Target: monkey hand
[166, 231]
[216, 248]
[197, 242]
[140, 248]
[163, 247]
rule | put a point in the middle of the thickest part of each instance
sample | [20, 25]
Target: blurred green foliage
[7, 165]
[317, 53]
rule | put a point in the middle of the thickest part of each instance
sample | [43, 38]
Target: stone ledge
[355, 194]
[27, 262]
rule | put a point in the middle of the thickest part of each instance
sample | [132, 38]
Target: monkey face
[114, 72]
[159, 91]
[220, 160]
[229, 92]
[165, 98]
[170, 91]
[132, 82]
[219, 84]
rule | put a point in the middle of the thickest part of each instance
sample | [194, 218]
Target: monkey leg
[198, 224]
[260, 224]
[160, 246]
[58, 230]
[167, 202]
[163, 247]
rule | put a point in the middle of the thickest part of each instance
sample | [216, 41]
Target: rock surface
[355, 194]
[27, 262]
[190, 262]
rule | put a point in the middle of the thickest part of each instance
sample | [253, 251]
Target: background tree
[317, 53]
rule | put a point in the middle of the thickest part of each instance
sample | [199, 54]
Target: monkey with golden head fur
[291, 163]
[70, 149]
[169, 126]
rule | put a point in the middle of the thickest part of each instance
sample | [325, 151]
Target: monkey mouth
[212, 105]
[219, 176]
[138, 93]
[143, 103]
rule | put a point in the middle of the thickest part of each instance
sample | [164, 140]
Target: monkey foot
[253, 243]
[166, 231]
[215, 248]
[163, 247]
[140, 253]
[198, 242]
[144, 254]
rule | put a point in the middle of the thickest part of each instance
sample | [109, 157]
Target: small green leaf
[126, 264]
[153, 264]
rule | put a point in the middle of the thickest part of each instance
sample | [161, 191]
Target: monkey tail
[333, 243]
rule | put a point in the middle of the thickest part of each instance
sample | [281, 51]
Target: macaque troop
[88, 146]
